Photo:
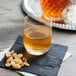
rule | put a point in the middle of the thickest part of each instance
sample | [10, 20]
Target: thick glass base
[36, 52]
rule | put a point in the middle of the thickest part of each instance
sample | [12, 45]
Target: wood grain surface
[11, 21]
[12, 25]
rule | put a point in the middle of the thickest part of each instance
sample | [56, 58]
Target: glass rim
[29, 23]
[39, 23]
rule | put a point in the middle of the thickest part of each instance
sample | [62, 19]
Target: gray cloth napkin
[46, 65]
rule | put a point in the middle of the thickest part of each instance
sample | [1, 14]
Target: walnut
[7, 64]
[26, 63]
[16, 66]
[8, 54]
[15, 60]
[9, 60]
[20, 55]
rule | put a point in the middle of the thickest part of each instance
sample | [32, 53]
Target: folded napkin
[46, 65]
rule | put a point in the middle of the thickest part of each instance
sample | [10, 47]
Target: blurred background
[11, 21]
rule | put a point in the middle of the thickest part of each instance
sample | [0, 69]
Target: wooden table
[11, 25]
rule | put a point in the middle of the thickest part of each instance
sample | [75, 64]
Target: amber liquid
[37, 40]
[54, 8]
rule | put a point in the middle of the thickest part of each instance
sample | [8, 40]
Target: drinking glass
[37, 39]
